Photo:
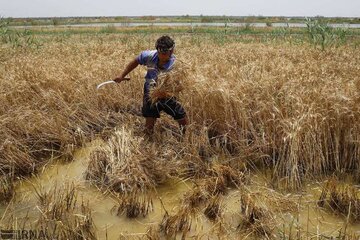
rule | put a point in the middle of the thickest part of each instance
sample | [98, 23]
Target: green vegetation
[320, 33]
[17, 38]
[317, 33]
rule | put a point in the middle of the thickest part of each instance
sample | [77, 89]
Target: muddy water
[107, 223]
[299, 213]
[312, 219]
[320, 220]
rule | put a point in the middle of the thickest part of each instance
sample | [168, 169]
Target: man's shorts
[169, 105]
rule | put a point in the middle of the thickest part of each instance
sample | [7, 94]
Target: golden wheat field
[272, 150]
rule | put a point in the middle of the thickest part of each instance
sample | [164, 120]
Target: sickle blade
[104, 83]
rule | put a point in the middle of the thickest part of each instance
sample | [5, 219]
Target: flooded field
[295, 213]
[272, 150]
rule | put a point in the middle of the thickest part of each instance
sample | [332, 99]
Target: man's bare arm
[131, 66]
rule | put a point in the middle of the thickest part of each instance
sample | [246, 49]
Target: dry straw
[341, 198]
[170, 84]
[256, 219]
[293, 107]
[7, 189]
[124, 166]
[213, 209]
[62, 215]
[171, 225]
[134, 205]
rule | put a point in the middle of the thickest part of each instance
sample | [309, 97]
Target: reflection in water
[311, 218]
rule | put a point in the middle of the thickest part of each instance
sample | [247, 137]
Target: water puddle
[107, 223]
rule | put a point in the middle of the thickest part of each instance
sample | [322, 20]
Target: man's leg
[149, 125]
[182, 124]
[172, 107]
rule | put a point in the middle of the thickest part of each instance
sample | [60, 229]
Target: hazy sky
[65, 8]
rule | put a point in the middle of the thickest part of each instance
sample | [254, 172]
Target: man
[157, 61]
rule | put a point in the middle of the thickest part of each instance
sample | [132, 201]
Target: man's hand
[120, 79]
[131, 66]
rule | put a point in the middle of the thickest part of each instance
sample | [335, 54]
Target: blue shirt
[150, 59]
